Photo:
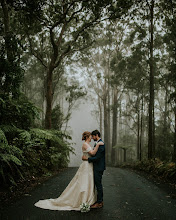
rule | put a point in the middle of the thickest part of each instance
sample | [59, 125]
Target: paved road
[127, 196]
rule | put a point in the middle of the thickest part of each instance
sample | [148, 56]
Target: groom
[98, 166]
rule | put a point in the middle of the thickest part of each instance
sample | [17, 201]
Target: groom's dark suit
[99, 167]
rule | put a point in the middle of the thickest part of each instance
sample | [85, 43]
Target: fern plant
[10, 156]
[26, 152]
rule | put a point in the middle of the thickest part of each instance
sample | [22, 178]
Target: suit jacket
[98, 159]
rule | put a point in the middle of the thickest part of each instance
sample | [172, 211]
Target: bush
[156, 167]
[27, 152]
[10, 160]
[18, 112]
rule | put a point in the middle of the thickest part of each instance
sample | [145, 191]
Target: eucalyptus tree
[164, 107]
[97, 68]
[126, 144]
[170, 40]
[118, 78]
[148, 18]
[138, 84]
[66, 27]
[129, 66]
[22, 148]
[151, 143]
[99, 71]
[143, 65]
[107, 72]
[15, 108]
[11, 72]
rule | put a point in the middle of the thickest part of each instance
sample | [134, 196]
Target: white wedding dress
[80, 189]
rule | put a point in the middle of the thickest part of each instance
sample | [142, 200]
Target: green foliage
[57, 117]
[27, 153]
[74, 92]
[10, 159]
[19, 112]
[170, 40]
[164, 143]
[126, 141]
[15, 108]
[24, 150]
[118, 66]
[158, 168]
[11, 74]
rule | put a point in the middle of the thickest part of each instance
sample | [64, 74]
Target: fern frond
[9, 129]
[25, 135]
[2, 174]
[3, 138]
[10, 177]
[19, 172]
[42, 134]
[9, 157]
[46, 135]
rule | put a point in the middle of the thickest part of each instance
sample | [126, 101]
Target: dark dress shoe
[97, 205]
[100, 205]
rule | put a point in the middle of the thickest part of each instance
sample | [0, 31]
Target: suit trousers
[98, 184]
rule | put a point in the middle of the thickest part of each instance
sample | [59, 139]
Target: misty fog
[82, 120]
[96, 65]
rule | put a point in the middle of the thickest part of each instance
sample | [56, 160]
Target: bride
[81, 188]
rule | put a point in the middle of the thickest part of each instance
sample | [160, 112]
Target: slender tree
[151, 137]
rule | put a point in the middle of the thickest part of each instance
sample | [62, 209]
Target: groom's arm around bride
[98, 166]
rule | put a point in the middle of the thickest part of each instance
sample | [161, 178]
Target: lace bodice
[85, 152]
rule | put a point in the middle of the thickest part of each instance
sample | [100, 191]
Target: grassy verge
[156, 168]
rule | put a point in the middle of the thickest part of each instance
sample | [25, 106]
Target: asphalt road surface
[127, 196]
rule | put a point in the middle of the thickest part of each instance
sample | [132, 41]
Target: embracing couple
[86, 185]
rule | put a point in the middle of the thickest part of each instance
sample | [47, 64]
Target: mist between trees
[124, 50]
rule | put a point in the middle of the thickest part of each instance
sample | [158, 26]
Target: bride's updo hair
[85, 135]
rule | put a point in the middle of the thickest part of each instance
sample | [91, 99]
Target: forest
[124, 51]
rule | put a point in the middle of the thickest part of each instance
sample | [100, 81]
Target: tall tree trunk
[107, 74]
[49, 99]
[100, 109]
[109, 124]
[174, 153]
[100, 115]
[6, 29]
[138, 127]
[165, 109]
[43, 102]
[153, 118]
[114, 127]
[106, 126]
[119, 154]
[138, 134]
[8, 43]
[124, 154]
[165, 128]
[151, 132]
[141, 130]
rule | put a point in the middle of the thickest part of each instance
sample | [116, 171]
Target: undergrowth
[156, 167]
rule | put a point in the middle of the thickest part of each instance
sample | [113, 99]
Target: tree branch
[63, 55]
[35, 52]
[55, 47]
[61, 34]
[148, 4]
